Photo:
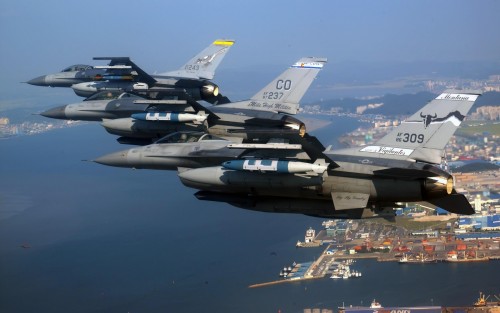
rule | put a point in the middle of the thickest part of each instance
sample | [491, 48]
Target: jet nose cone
[58, 112]
[39, 81]
[118, 159]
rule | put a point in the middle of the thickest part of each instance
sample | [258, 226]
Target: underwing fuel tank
[220, 178]
[274, 166]
[129, 127]
[170, 116]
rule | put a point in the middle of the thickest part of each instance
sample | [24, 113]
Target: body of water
[106, 239]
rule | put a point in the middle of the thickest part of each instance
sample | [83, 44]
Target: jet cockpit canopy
[77, 68]
[187, 136]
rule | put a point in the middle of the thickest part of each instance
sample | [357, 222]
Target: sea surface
[104, 239]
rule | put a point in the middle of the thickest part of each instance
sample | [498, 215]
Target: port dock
[391, 244]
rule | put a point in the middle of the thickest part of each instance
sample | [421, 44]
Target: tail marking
[454, 117]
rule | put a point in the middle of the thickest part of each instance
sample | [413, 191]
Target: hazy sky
[40, 37]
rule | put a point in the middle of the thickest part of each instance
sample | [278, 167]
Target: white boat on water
[375, 305]
[403, 259]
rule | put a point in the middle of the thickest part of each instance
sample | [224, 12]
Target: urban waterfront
[102, 239]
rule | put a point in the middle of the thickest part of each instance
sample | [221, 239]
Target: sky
[41, 37]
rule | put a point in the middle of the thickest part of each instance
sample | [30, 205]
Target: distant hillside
[477, 167]
[399, 104]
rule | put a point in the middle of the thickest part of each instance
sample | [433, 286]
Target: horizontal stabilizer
[454, 203]
[219, 99]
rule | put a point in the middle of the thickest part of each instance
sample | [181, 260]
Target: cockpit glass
[185, 137]
[105, 95]
[181, 137]
[210, 137]
[77, 67]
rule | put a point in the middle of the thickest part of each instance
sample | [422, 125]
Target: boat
[403, 259]
[421, 258]
[481, 305]
[471, 256]
[310, 234]
[375, 305]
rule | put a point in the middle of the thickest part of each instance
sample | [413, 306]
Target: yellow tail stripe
[223, 42]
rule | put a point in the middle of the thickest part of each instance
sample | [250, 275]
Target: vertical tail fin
[204, 64]
[291, 85]
[425, 134]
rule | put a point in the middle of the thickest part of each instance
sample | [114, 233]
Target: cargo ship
[376, 307]
[470, 256]
[480, 306]
[421, 258]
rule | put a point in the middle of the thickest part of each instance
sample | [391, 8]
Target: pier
[391, 246]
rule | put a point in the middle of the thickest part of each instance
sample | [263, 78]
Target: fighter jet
[113, 104]
[260, 118]
[361, 182]
[188, 149]
[123, 74]
[69, 76]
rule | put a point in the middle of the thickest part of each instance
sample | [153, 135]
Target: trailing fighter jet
[367, 181]
[123, 74]
[260, 118]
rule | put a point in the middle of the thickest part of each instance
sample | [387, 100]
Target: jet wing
[139, 74]
[292, 141]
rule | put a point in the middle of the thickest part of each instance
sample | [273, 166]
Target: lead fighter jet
[190, 149]
[359, 182]
[123, 74]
